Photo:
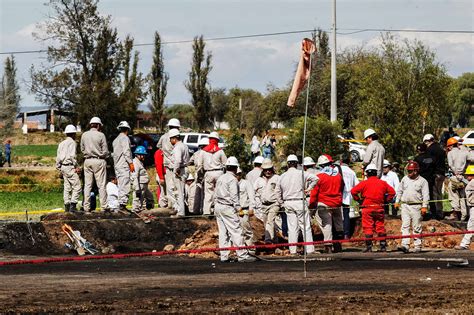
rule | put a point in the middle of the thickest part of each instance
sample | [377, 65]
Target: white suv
[468, 139]
[191, 139]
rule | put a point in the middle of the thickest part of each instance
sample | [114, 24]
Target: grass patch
[19, 201]
[48, 150]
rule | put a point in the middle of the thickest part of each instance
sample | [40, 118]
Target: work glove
[241, 213]
[424, 210]
[138, 193]
[396, 205]
[132, 167]
[162, 182]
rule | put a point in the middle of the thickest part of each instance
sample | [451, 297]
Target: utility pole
[333, 66]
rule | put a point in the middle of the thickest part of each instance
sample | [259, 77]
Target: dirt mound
[121, 233]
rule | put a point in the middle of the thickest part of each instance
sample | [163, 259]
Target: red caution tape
[206, 250]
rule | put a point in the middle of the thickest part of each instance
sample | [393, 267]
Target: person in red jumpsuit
[372, 194]
[160, 178]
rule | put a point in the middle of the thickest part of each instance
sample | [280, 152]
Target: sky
[251, 62]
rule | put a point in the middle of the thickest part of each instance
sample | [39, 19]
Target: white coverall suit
[140, 186]
[122, 155]
[66, 163]
[247, 202]
[457, 161]
[252, 177]
[466, 241]
[291, 195]
[94, 148]
[375, 154]
[227, 205]
[413, 195]
[212, 165]
[167, 198]
[180, 159]
[266, 203]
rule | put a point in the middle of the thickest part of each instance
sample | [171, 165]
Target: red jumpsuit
[160, 169]
[374, 192]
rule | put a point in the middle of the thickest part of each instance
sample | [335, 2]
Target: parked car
[191, 139]
[468, 138]
[357, 149]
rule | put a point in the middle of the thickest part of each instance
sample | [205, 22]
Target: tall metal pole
[333, 66]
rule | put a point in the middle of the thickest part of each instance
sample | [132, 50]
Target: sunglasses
[410, 171]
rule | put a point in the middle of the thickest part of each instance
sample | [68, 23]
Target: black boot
[328, 249]
[383, 246]
[368, 245]
[72, 207]
[66, 207]
[338, 246]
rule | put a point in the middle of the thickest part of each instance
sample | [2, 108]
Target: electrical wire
[350, 31]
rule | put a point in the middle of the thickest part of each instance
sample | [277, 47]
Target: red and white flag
[303, 71]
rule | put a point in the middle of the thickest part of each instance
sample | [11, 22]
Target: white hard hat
[239, 170]
[386, 163]
[214, 135]
[258, 160]
[371, 167]
[173, 133]
[190, 177]
[232, 161]
[95, 120]
[70, 129]
[267, 163]
[458, 138]
[368, 133]
[428, 137]
[292, 158]
[123, 124]
[173, 122]
[323, 159]
[308, 161]
[203, 141]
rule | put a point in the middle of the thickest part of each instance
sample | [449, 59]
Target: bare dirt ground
[348, 284]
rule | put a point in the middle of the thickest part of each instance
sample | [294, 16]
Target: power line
[350, 31]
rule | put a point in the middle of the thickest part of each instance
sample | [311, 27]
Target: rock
[215, 234]
[168, 248]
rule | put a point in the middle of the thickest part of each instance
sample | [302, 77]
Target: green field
[19, 201]
[48, 150]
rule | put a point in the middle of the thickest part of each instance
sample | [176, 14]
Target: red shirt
[328, 190]
[374, 192]
[159, 164]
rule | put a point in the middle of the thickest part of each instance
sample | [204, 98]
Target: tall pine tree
[9, 97]
[198, 84]
[158, 83]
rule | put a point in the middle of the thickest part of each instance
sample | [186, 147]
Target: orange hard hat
[412, 166]
[451, 141]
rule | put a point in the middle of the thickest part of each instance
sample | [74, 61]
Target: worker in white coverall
[193, 167]
[190, 193]
[375, 152]
[166, 147]
[227, 207]
[211, 162]
[469, 174]
[123, 163]
[266, 201]
[292, 195]
[413, 195]
[180, 158]
[457, 162]
[95, 151]
[143, 197]
[252, 177]
[66, 163]
[247, 204]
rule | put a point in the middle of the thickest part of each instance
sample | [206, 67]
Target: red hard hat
[412, 166]
[329, 158]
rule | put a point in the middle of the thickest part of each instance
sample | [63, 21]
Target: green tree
[183, 112]
[198, 84]
[235, 146]
[247, 111]
[220, 103]
[90, 71]
[158, 83]
[321, 138]
[9, 97]
[462, 98]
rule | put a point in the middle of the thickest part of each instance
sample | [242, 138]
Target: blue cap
[140, 150]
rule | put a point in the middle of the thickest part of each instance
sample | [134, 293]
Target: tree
[220, 103]
[9, 97]
[198, 84]
[90, 71]
[235, 146]
[158, 83]
[183, 112]
[462, 98]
